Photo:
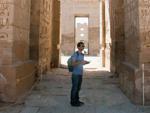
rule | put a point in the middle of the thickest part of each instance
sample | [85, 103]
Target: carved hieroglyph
[4, 21]
[145, 22]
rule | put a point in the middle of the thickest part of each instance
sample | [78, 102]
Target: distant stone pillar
[102, 31]
[15, 65]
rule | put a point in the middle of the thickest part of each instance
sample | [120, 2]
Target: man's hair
[79, 44]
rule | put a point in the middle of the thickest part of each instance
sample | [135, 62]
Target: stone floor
[100, 93]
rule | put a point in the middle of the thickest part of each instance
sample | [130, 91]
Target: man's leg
[74, 90]
[79, 86]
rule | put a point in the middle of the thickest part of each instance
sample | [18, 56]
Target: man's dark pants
[76, 86]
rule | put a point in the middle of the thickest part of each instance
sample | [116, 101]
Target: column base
[19, 79]
[131, 82]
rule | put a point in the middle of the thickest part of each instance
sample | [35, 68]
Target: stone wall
[42, 33]
[136, 51]
[130, 47]
[69, 10]
[16, 70]
[34, 30]
[22, 40]
[45, 35]
[117, 34]
[144, 21]
[130, 75]
[55, 52]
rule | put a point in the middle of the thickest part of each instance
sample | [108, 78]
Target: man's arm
[75, 63]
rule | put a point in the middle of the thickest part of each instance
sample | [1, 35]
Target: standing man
[77, 74]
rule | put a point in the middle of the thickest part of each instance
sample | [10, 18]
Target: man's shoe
[75, 104]
[81, 103]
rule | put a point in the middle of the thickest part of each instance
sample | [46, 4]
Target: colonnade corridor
[100, 92]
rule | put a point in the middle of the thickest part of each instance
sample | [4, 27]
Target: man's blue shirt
[78, 69]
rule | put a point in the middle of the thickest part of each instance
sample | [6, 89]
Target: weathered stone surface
[130, 73]
[30, 110]
[14, 61]
[19, 79]
[117, 34]
[131, 82]
[99, 93]
[44, 35]
[130, 36]
[126, 51]
[55, 43]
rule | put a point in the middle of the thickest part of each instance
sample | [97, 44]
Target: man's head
[80, 46]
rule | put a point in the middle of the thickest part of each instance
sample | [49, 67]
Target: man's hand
[85, 62]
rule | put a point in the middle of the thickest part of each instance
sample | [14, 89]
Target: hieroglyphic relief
[145, 22]
[4, 20]
[3, 36]
[146, 39]
[4, 9]
[46, 8]
[45, 16]
[45, 20]
[4, 14]
[23, 4]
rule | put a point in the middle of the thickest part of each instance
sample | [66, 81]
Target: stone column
[117, 34]
[45, 37]
[15, 66]
[108, 41]
[41, 34]
[55, 33]
[130, 69]
[137, 51]
[144, 28]
[103, 32]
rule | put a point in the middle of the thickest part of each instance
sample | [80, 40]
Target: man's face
[81, 48]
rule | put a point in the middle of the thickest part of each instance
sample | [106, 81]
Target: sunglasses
[82, 46]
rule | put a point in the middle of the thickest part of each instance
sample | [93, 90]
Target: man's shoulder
[76, 53]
